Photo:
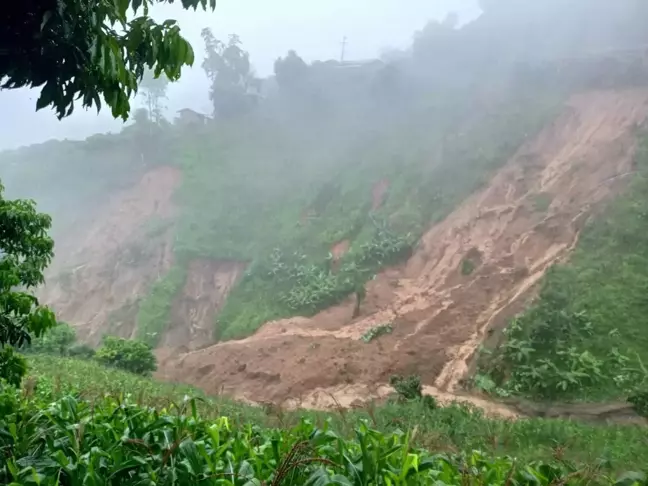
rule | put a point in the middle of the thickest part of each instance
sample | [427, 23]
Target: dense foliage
[114, 442]
[449, 429]
[25, 251]
[58, 340]
[78, 49]
[583, 338]
[50, 433]
[128, 354]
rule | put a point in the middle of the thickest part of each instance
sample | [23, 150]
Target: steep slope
[102, 271]
[468, 274]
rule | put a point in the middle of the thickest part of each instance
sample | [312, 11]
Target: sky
[268, 29]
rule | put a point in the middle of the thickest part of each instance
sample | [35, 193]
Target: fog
[423, 86]
[268, 30]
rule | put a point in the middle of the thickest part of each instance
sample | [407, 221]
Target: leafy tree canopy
[291, 71]
[25, 251]
[227, 65]
[88, 49]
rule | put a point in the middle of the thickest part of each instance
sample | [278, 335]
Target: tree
[234, 87]
[154, 91]
[25, 251]
[81, 49]
[291, 72]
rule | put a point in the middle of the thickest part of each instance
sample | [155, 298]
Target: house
[189, 117]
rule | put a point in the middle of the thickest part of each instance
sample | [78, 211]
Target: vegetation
[77, 50]
[322, 177]
[154, 91]
[377, 331]
[25, 251]
[12, 366]
[467, 266]
[122, 443]
[127, 354]
[58, 340]
[582, 339]
[309, 198]
[453, 432]
[153, 317]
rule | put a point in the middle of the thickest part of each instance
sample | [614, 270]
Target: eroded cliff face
[101, 272]
[196, 306]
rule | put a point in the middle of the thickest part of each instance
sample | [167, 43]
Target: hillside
[428, 268]
[382, 218]
[467, 276]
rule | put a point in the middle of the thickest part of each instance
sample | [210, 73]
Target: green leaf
[46, 17]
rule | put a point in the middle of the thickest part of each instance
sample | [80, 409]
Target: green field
[455, 429]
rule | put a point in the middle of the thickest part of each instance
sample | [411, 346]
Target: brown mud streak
[440, 316]
[96, 286]
[193, 311]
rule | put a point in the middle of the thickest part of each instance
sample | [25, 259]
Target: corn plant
[115, 442]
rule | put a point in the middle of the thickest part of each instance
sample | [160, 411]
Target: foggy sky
[268, 29]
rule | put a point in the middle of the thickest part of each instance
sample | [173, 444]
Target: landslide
[98, 278]
[468, 274]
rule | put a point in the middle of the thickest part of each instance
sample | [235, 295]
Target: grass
[454, 429]
[585, 337]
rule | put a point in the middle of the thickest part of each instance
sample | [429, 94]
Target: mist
[268, 30]
[310, 130]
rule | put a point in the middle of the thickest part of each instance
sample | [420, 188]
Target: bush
[57, 340]
[130, 355]
[639, 401]
[81, 351]
[409, 388]
[12, 366]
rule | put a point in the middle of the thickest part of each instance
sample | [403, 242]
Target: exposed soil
[194, 311]
[338, 250]
[379, 193]
[97, 286]
[440, 315]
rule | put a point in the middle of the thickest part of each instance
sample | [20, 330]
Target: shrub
[81, 351]
[639, 401]
[130, 355]
[12, 366]
[377, 331]
[55, 341]
[408, 388]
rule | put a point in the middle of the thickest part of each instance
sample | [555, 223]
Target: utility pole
[344, 44]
